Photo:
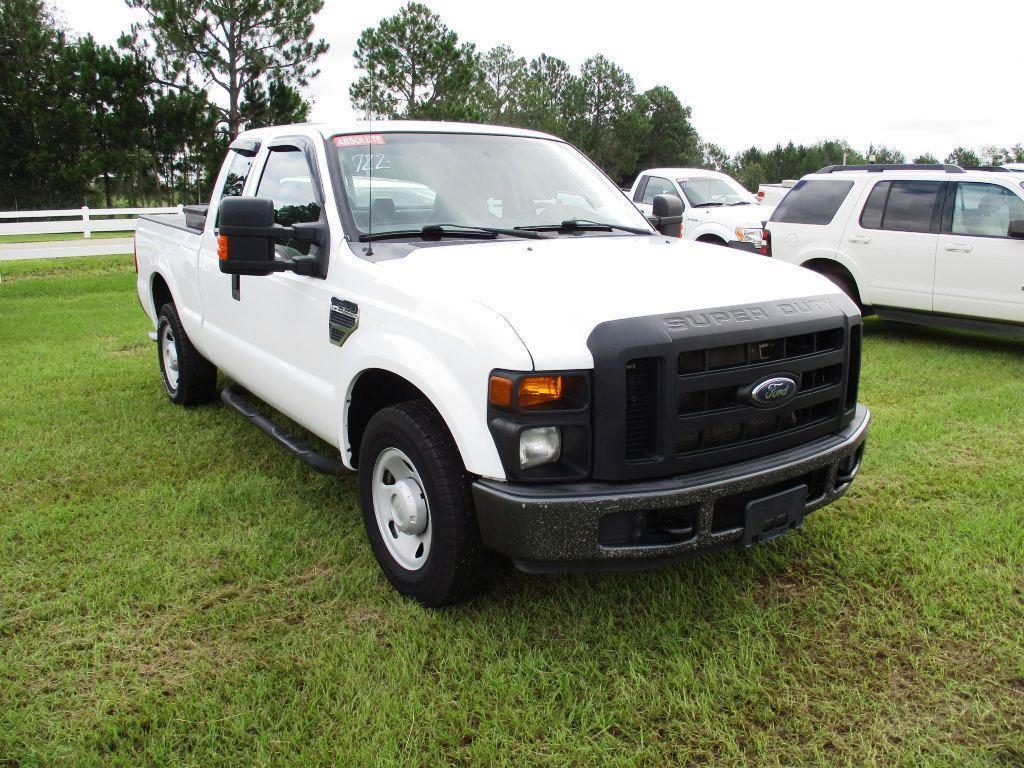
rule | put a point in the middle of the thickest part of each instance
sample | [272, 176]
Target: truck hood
[554, 292]
[734, 215]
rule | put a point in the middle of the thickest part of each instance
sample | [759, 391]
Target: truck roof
[390, 126]
[678, 172]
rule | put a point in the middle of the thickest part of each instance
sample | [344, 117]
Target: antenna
[369, 149]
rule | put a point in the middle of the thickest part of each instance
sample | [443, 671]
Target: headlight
[752, 235]
[539, 446]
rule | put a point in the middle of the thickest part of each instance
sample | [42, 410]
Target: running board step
[237, 398]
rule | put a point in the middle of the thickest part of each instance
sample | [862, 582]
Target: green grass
[55, 236]
[174, 589]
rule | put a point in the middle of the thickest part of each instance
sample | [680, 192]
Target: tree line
[147, 121]
[414, 66]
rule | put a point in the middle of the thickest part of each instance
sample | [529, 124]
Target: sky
[917, 76]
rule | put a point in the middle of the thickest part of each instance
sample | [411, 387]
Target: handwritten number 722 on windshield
[378, 162]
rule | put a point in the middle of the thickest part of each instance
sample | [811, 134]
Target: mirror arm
[659, 221]
[315, 232]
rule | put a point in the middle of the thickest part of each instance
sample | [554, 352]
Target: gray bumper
[559, 527]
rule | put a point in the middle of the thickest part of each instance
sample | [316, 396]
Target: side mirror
[668, 215]
[245, 242]
[1016, 229]
[246, 234]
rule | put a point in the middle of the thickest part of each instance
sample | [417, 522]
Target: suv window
[903, 206]
[658, 186]
[812, 202]
[237, 173]
[985, 210]
[288, 181]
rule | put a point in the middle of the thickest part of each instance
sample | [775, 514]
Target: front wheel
[417, 507]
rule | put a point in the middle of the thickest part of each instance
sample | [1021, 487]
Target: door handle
[862, 239]
[959, 248]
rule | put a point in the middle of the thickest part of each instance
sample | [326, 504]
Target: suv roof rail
[879, 167]
[994, 168]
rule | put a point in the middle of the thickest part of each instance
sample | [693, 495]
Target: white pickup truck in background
[514, 361]
[716, 207]
[772, 194]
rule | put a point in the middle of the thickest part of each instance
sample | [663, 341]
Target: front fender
[451, 373]
[710, 228]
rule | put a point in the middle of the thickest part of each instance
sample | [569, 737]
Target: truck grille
[641, 408]
[683, 405]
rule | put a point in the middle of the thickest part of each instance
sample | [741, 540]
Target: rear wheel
[189, 378]
[417, 507]
[847, 286]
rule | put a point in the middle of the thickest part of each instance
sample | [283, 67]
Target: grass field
[174, 589]
[60, 236]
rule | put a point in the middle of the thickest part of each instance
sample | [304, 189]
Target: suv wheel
[417, 507]
[846, 284]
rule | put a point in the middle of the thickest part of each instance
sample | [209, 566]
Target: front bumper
[744, 246]
[578, 526]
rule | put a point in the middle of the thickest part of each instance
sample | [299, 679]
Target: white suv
[716, 207]
[928, 244]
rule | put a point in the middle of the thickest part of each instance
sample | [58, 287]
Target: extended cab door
[893, 241]
[648, 188]
[271, 330]
[979, 269]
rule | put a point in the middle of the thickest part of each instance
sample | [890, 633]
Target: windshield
[468, 180]
[711, 190]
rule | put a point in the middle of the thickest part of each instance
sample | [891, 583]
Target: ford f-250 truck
[514, 360]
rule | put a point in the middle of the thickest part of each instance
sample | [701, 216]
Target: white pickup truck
[509, 354]
[716, 207]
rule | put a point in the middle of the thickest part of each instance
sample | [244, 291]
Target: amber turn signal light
[222, 248]
[499, 391]
[540, 390]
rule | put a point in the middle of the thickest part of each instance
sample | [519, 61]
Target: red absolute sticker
[358, 140]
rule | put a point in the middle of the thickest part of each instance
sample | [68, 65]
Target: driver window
[288, 181]
[985, 210]
[658, 186]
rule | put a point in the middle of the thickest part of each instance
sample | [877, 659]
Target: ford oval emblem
[773, 391]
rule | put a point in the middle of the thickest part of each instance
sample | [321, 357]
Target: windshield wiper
[706, 205]
[580, 225]
[438, 231]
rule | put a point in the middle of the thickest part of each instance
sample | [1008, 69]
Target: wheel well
[375, 389]
[712, 239]
[830, 268]
[161, 293]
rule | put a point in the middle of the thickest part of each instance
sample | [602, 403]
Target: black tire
[197, 376]
[457, 565]
[846, 284]
[712, 240]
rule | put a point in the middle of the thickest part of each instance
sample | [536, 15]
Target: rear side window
[871, 216]
[238, 171]
[903, 206]
[812, 202]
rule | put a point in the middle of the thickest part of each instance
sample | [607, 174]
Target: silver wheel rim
[169, 352]
[401, 508]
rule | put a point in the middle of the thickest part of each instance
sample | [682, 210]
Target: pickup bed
[512, 358]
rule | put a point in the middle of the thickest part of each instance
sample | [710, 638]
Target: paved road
[58, 248]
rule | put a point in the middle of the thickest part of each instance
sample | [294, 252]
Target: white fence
[85, 220]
